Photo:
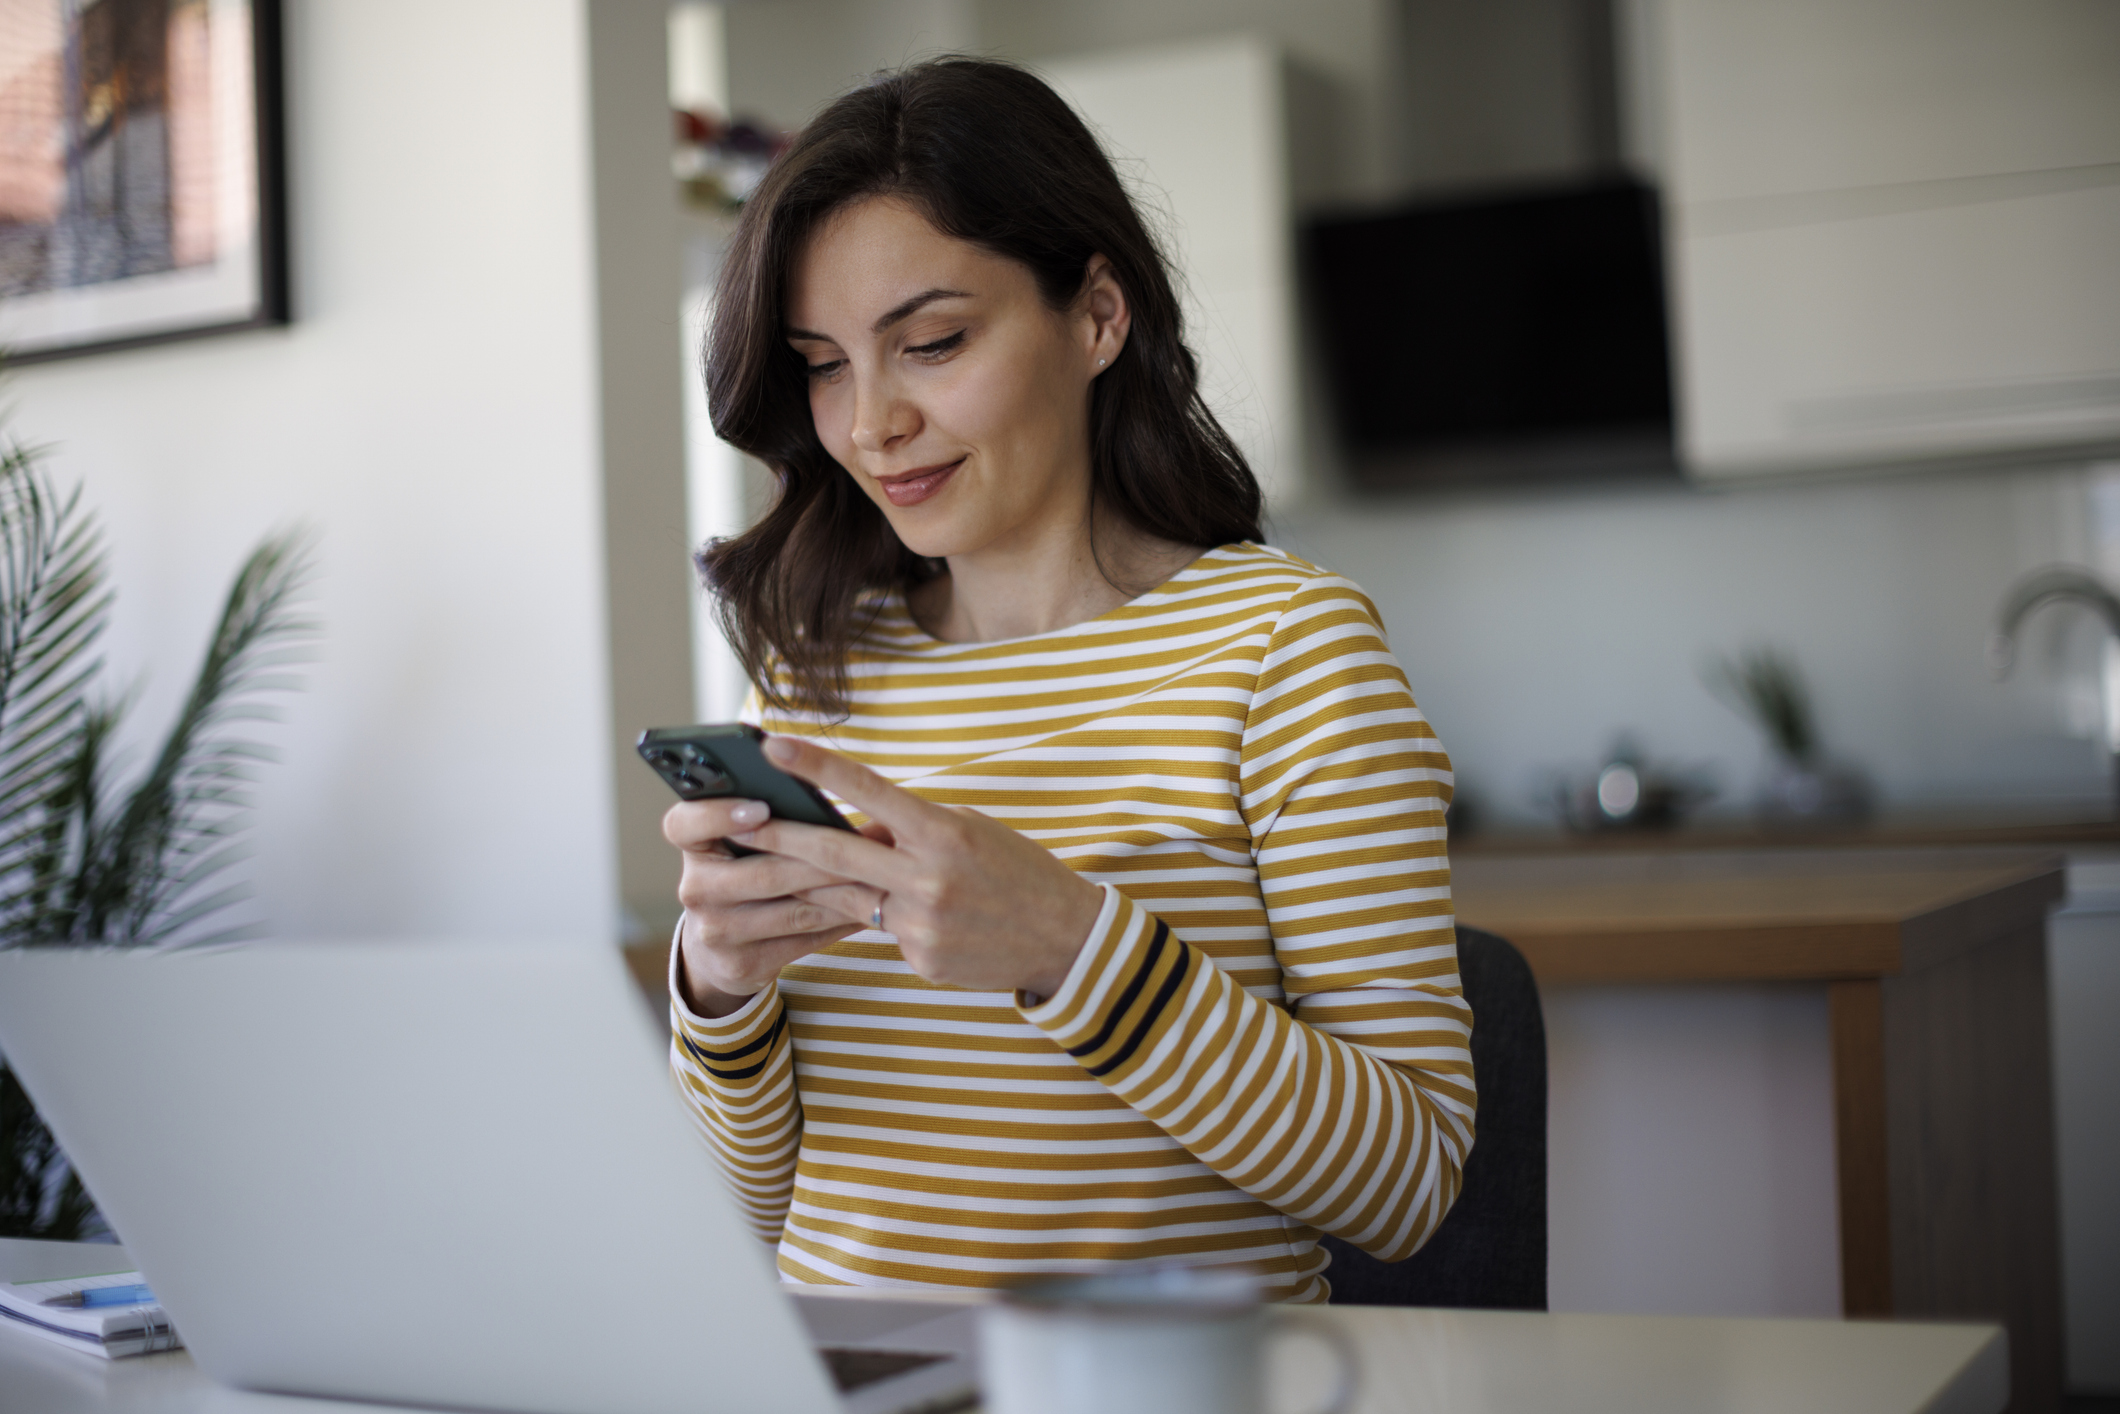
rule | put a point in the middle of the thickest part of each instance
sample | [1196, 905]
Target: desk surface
[1417, 1361]
[1752, 914]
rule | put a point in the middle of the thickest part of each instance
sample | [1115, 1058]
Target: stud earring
[1100, 363]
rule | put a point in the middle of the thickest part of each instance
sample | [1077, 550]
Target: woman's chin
[927, 536]
[931, 531]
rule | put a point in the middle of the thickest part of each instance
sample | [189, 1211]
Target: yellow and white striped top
[1263, 1037]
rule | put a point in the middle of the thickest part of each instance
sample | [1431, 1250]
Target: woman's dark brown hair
[992, 156]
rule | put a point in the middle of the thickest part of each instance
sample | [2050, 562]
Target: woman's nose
[882, 418]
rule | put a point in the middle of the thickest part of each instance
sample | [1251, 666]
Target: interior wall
[1350, 47]
[433, 413]
[1505, 92]
[791, 57]
[643, 369]
[1537, 627]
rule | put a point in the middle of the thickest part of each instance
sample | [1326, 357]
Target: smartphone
[725, 759]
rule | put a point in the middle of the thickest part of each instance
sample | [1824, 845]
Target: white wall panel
[1690, 1164]
[1201, 133]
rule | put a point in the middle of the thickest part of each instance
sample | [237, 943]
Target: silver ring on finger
[876, 915]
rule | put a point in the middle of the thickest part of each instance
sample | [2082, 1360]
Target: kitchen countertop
[1893, 830]
[1748, 914]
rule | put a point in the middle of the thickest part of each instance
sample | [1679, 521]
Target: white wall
[1535, 626]
[643, 368]
[789, 58]
[1504, 92]
[434, 412]
[1351, 47]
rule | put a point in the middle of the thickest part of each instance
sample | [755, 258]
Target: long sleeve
[1263, 1036]
[737, 1076]
[1349, 1108]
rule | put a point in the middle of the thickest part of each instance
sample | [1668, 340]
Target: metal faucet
[2056, 582]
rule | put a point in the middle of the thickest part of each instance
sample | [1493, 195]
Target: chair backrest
[1491, 1249]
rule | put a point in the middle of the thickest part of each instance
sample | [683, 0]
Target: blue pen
[134, 1295]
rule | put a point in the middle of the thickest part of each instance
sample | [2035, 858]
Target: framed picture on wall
[140, 173]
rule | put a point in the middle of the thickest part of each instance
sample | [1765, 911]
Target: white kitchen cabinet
[1894, 227]
[1200, 130]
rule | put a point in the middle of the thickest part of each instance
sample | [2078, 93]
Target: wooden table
[1414, 1362]
[1934, 964]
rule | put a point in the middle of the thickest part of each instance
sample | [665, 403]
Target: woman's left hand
[972, 903]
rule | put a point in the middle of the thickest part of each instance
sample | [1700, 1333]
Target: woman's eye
[825, 372]
[939, 347]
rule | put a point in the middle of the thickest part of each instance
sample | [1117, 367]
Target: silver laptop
[438, 1174]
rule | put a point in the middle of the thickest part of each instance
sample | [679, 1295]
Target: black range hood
[1497, 338]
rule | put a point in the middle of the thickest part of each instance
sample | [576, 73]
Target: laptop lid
[434, 1173]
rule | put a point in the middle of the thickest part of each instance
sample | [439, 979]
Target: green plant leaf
[175, 832]
[35, 1201]
[54, 604]
[1764, 685]
[83, 862]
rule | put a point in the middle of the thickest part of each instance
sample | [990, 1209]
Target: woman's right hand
[744, 920]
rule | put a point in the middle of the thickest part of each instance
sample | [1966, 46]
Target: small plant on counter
[1762, 684]
[1801, 786]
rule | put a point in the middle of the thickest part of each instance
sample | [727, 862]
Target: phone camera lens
[691, 770]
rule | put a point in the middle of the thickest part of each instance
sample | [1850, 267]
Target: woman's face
[941, 380]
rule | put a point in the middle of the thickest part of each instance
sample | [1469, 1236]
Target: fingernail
[780, 749]
[749, 813]
[745, 838]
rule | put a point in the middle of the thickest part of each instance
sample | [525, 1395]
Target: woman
[1145, 950]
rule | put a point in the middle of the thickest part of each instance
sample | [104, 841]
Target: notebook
[47, 1307]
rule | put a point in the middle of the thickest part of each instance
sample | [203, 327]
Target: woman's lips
[912, 490]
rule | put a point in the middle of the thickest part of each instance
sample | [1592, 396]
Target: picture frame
[142, 181]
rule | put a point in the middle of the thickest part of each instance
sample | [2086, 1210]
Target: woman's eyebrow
[904, 309]
[907, 308]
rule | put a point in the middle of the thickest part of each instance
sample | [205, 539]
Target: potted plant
[88, 860]
[1801, 786]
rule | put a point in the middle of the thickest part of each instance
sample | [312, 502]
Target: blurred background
[1611, 345]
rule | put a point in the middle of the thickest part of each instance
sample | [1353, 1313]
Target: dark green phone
[725, 759]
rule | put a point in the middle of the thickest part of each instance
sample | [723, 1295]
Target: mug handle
[1298, 1324]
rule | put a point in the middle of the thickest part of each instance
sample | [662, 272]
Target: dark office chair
[1491, 1249]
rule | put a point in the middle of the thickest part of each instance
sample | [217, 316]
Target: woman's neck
[1049, 584]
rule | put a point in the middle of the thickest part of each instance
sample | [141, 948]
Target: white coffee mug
[1168, 1340]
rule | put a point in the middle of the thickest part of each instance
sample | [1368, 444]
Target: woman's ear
[1106, 316]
